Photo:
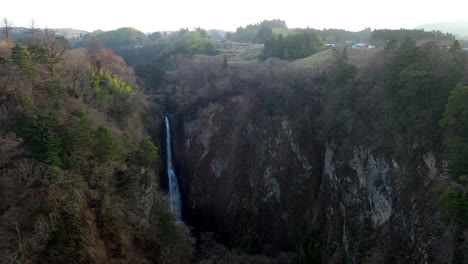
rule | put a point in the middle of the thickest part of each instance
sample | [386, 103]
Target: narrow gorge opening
[204, 226]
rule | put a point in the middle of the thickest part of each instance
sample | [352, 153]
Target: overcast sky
[158, 15]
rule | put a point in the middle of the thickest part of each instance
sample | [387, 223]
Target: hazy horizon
[209, 14]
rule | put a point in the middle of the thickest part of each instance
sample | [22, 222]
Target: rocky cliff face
[268, 184]
[373, 213]
[247, 174]
[276, 158]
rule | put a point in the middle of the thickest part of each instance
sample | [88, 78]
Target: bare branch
[56, 45]
[32, 28]
[7, 28]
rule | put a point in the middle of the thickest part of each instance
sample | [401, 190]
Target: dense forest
[306, 153]
[293, 46]
[257, 33]
[79, 171]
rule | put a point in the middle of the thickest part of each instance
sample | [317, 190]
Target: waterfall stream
[174, 193]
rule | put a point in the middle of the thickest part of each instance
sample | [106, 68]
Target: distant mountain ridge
[22, 32]
[458, 28]
[70, 32]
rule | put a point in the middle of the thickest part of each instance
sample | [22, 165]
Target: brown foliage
[94, 213]
[55, 45]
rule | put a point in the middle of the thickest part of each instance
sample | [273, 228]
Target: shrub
[112, 90]
[22, 58]
[78, 132]
[41, 135]
[77, 140]
[147, 153]
[169, 232]
[456, 120]
[453, 204]
[457, 157]
[105, 144]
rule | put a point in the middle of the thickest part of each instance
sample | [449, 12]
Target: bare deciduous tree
[94, 50]
[7, 28]
[32, 30]
[56, 45]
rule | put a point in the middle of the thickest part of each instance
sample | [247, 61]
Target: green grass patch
[317, 59]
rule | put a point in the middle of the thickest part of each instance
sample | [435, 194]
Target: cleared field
[315, 60]
[324, 58]
[236, 51]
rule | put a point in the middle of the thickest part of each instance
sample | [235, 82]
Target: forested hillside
[259, 32]
[458, 28]
[78, 172]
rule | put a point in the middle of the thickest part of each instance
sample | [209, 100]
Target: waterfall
[174, 194]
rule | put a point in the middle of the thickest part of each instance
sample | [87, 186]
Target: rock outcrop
[267, 185]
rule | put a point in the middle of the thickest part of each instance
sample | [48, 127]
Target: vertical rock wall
[266, 185]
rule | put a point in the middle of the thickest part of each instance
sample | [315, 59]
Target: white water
[174, 194]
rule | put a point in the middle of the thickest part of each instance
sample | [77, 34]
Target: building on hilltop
[363, 46]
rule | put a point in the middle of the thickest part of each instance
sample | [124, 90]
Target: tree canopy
[293, 46]
[122, 37]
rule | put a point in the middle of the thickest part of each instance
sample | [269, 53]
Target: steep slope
[342, 164]
[79, 176]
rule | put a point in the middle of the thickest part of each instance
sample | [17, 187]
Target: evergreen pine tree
[22, 58]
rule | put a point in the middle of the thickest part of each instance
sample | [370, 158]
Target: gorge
[274, 158]
[267, 145]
